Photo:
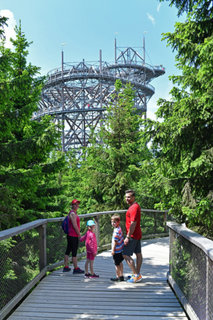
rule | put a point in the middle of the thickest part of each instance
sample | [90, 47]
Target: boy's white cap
[90, 223]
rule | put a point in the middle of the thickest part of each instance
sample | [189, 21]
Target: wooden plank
[68, 296]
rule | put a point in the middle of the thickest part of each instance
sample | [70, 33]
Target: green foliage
[184, 162]
[203, 7]
[3, 22]
[169, 163]
[107, 169]
[29, 177]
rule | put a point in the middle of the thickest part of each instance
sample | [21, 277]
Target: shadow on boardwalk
[66, 296]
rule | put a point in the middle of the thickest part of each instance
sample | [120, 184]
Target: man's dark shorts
[134, 246]
[72, 245]
[118, 258]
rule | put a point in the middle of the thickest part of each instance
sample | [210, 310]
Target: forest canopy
[168, 162]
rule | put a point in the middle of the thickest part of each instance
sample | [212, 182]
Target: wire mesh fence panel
[152, 223]
[188, 269]
[210, 289]
[56, 242]
[106, 229]
[35, 249]
[19, 264]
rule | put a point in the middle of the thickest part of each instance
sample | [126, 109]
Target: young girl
[91, 247]
[117, 248]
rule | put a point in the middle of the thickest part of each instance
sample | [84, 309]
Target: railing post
[207, 287]
[164, 220]
[42, 247]
[97, 229]
[170, 251]
[155, 222]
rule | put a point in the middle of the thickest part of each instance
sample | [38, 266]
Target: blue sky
[82, 27]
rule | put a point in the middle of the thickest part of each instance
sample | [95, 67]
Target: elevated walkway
[66, 296]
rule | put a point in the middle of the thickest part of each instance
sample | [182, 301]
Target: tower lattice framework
[76, 94]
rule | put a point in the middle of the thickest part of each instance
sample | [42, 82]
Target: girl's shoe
[94, 275]
[87, 275]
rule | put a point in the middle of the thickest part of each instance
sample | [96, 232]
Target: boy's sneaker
[77, 270]
[66, 269]
[94, 275]
[132, 279]
[135, 278]
[87, 275]
[118, 279]
[115, 279]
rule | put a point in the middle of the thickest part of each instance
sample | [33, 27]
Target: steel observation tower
[76, 94]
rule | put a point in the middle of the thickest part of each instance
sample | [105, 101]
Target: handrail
[37, 240]
[191, 270]
[5, 234]
[198, 240]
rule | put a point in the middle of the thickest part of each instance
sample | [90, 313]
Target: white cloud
[9, 29]
[150, 114]
[158, 7]
[151, 18]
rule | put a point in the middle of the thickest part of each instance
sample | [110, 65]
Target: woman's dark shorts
[134, 246]
[118, 258]
[72, 246]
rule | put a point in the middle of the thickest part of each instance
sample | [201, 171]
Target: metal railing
[191, 271]
[27, 252]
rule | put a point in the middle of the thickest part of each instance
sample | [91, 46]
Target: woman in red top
[73, 238]
[132, 242]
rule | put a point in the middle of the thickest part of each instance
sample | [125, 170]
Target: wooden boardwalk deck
[66, 296]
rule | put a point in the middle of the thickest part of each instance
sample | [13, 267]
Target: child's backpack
[65, 225]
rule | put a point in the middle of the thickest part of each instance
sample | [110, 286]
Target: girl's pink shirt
[90, 242]
[72, 231]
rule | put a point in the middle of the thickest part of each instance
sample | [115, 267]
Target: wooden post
[207, 288]
[42, 247]
[97, 229]
[164, 220]
[155, 222]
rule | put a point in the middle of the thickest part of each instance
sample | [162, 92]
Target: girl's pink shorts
[90, 256]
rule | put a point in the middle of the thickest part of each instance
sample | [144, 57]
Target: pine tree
[184, 137]
[113, 165]
[25, 145]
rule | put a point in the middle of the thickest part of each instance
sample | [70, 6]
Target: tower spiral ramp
[76, 94]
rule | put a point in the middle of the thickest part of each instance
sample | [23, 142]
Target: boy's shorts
[118, 258]
[134, 246]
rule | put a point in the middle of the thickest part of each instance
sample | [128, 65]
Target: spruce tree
[113, 164]
[184, 137]
[25, 145]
